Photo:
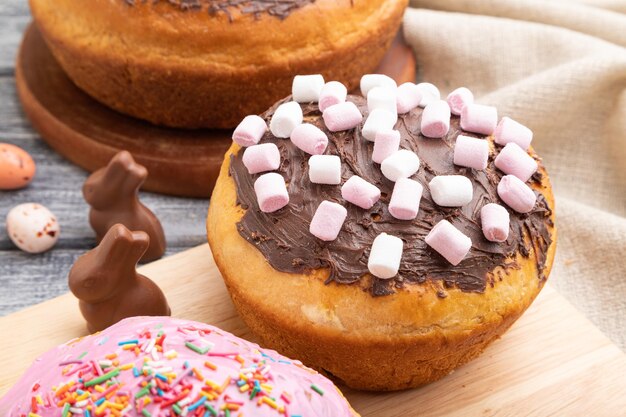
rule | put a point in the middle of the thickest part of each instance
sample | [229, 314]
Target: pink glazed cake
[160, 366]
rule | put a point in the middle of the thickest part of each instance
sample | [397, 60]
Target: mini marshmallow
[261, 158]
[325, 169]
[386, 143]
[495, 222]
[436, 119]
[508, 130]
[369, 81]
[310, 139]
[382, 98]
[408, 97]
[479, 118]
[250, 131]
[471, 152]
[307, 88]
[458, 99]
[429, 92]
[342, 116]
[400, 164]
[285, 119]
[515, 161]
[332, 93]
[360, 192]
[405, 199]
[271, 192]
[385, 256]
[451, 190]
[516, 194]
[327, 220]
[378, 119]
[449, 242]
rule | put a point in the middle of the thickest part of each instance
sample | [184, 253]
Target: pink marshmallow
[471, 152]
[408, 97]
[327, 221]
[310, 139]
[405, 199]
[458, 99]
[386, 143]
[332, 93]
[449, 241]
[250, 131]
[478, 118]
[516, 194]
[271, 192]
[495, 222]
[360, 192]
[342, 116]
[509, 130]
[436, 119]
[261, 158]
[515, 161]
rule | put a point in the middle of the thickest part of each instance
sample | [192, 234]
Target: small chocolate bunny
[107, 284]
[112, 193]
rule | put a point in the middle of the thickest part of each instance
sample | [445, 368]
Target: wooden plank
[552, 362]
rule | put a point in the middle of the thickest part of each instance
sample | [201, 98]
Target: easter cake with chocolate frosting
[159, 366]
[382, 239]
[208, 63]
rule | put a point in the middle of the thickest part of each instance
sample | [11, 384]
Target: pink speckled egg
[17, 168]
[32, 227]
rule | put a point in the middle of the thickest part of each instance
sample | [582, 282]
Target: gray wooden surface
[29, 279]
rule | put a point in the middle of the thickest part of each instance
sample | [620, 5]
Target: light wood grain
[552, 362]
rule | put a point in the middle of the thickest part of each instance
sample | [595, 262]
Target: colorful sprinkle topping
[160, 367]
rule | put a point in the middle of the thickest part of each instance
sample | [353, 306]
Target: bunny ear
[141, 241]
[124, 163]
[123, 159]
[115, 243]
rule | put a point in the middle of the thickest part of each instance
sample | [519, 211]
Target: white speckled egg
[32, 227]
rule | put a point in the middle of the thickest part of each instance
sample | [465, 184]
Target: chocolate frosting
[284, 239]
[278, 8]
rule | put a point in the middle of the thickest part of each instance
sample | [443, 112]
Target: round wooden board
[180, 162]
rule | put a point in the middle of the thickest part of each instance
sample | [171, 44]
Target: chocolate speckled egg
[32, 227]
[17, 168]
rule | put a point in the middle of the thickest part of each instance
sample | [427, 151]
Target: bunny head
[122, 177]
[110, 268]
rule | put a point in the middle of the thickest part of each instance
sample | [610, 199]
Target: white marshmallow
[408, 97]
[385, 256]
[285, 119]
[429, 92]
[382, 98]
[401, 164]
[325, 169]
[307, 88]
[451, 190]
[332, 93]
[378, 119]
[369, 81]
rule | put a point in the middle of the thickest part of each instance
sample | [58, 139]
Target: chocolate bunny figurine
[106, 282]
[112, 194]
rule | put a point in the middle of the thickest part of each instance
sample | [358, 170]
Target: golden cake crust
[393, 342]
[196, 69]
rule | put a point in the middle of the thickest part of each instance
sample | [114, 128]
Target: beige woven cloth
[559, 67]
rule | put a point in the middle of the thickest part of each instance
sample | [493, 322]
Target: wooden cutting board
[552, 362]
